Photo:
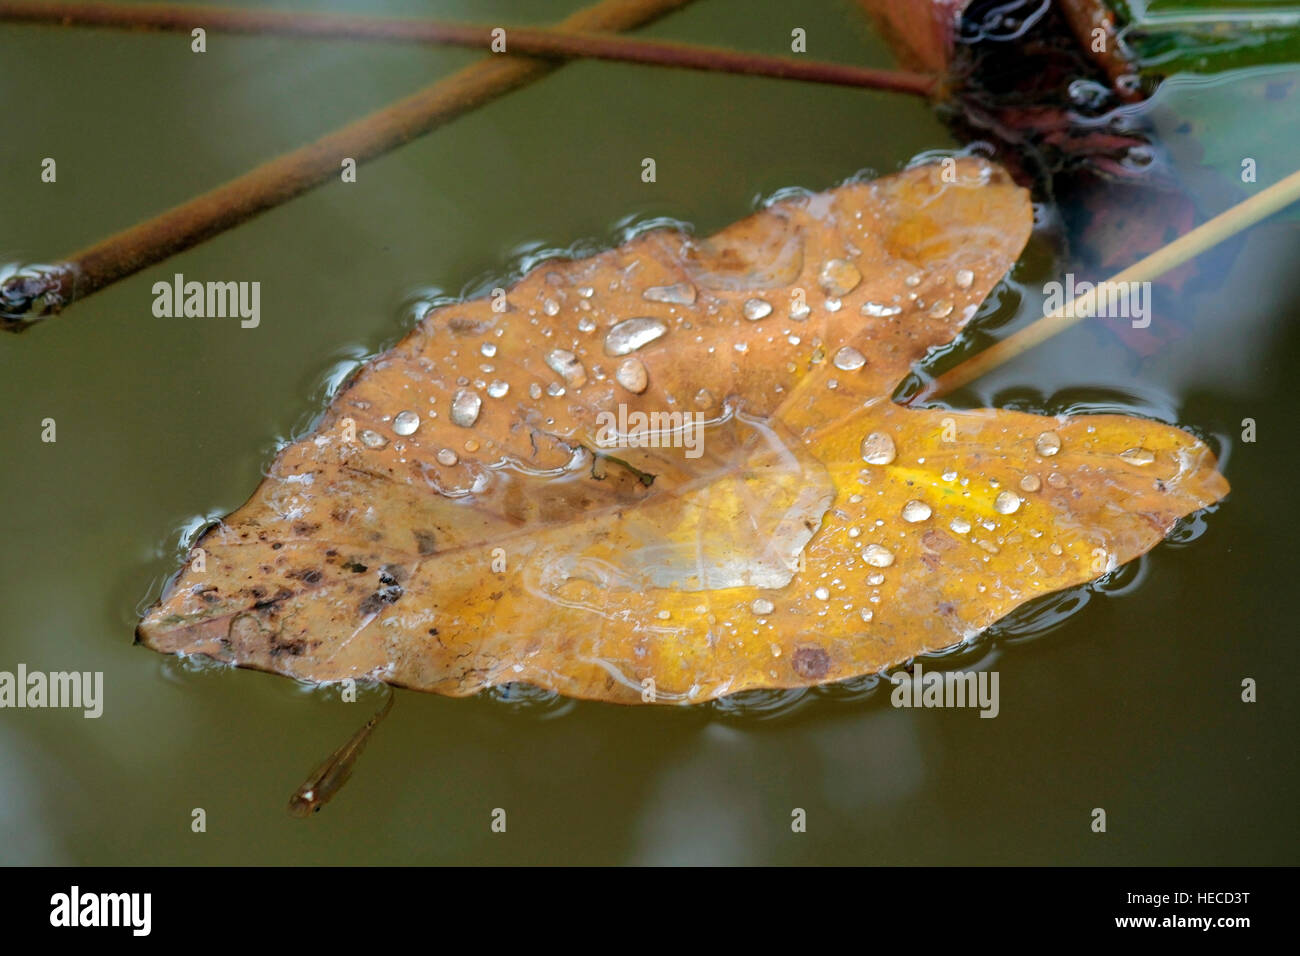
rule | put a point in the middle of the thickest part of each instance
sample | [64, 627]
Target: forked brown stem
[47, 290]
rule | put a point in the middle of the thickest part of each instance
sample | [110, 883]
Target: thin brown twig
[531, 41]
[46, 290]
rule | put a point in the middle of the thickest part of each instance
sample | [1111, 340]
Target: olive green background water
[1132, 703]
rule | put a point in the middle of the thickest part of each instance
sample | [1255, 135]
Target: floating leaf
[460, 518]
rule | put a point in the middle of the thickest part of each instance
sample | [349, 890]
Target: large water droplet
[879, 309]
[1047, 444]
[631, 374]
[877, 556]
[1137, 456]
[405, 423]
[960, 525]
[632, 334]
[762, 606]
[566, 365]
[683, 293]
[964, 278]
[849, 359]
[372, 439]
[465, 408]
[941, 309]
[447, 457]
[756, 309]
[878, 449]
[915, 511]
[839, 277]
[488, 348]
[498, 389]
[1030, 483]
[1006, 503]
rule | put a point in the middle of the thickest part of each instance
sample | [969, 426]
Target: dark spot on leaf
[305, 528]
[425, 542]
[356, 567]
[277, 546]
[280, 595]
[460, 325]
[811, 662]
[937, 541]
[292, 648]
[376, 602]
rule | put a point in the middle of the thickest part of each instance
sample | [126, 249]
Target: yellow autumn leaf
[672, 471]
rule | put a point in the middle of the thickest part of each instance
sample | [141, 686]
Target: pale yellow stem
[1203, 237]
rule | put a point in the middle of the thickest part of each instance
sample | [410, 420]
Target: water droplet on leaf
[1047, 444]
[915, 511]
[405, 423]
[683, 293]
[849, 359]
[566, 365]
[878, 449]
[1006, 503]
[632, 334]
[877, 556]
[631, 374]
[465, 408]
